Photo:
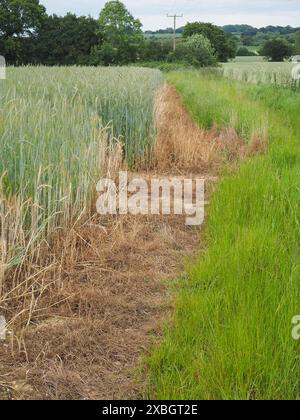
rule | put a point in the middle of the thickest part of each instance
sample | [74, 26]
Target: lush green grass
[230, 337]
[55, 128]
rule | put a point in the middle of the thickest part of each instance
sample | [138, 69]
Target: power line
[175, 21]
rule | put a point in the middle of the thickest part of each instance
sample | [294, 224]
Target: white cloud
[153, 12]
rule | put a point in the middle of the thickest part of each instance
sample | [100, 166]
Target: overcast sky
[152, 13]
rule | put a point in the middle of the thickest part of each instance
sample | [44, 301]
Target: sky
[152, 13]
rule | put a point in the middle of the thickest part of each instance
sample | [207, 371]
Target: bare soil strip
[105, 295]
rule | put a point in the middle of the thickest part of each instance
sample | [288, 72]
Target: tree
[122, 35]
[297, 42]
[65, 40]
[231, 47]
[247, 40]
[277, 50]
[240, 29]
[156, 50]
[245, 52]
[196, 51]
[223, 44]
[18, 19]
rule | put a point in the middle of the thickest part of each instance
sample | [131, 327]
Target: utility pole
[175, 19]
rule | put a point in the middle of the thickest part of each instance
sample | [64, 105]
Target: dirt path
[108, 297]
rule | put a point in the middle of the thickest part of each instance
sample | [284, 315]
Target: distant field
[162, 36]
[255, 70]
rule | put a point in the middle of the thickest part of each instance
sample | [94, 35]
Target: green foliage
[247, 40]
[249, 30]
[18, 18]
[29, 36]
[297, 42]
[122, 35]
[64, 40]
[277, 50]
[223, 43]
[165, 67]
[156, 50]
[195, 51]
[248, 35]
[243, 29]
[245, 52]
[12, 49]
[230, 337]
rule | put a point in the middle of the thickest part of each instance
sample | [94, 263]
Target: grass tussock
[183, 146]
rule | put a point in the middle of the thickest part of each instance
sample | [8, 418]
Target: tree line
[28, 35]
[284, 39]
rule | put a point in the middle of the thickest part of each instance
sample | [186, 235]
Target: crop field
[253, 71]
[57, 126]
[87, 317]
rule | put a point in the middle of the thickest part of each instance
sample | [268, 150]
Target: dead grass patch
[185, 147]
[104, 303]
[88, 303]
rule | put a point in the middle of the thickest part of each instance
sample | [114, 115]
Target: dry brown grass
[185, 147]
[86, 304]
[104, 302]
